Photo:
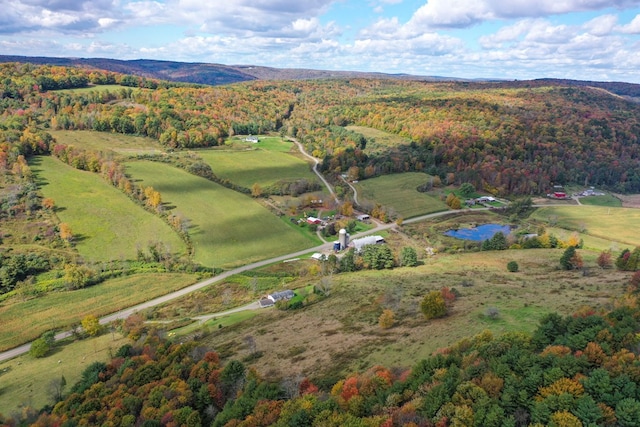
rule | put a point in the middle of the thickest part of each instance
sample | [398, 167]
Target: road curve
[315, 168]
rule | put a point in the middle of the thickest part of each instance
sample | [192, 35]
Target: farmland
[399, 193]
[222, 236]
[607, 223]
[105, 141]
[52, 311]
[258, 165]
[94, 211]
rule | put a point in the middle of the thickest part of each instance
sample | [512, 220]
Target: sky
[506, 39]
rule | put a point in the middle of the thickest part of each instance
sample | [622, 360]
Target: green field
[269, 143]
[98, 88]
[608, 201]
[399, 192]
[264, 166]
[227, 228]
[25, 380]
[104, 141]
[106, 224]
[378, 140]
[612, 224]
[56, 310]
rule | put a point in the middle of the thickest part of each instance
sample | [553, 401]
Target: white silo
[343, 239]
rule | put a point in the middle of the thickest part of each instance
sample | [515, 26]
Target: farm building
[485, 199]
[358, 244]
[313, 220]
[251, 138]
[284, 295]
[363, 217]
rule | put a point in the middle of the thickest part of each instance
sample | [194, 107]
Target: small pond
[479, 233]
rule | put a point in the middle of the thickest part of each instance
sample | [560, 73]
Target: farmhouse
[358, 244]
[284, 295]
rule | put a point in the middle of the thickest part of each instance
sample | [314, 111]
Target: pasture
[399, 192]
[60, 310]
[607, 200]
[612, 224]
[127, 145]
[97, 88]
[264, 166]
[105, 223]
[227, 228]
[341, 332]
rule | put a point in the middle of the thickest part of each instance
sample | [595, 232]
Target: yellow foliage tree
[91, 325]
[564, 419]
[64, 231]
[386, 319]
[563, 385]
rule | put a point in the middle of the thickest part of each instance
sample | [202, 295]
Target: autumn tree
[64, 230]
[386, 319]
[571, 259]
[433, 305]
[256, 190]
[48, 203]
[91, 325]
[604, 259]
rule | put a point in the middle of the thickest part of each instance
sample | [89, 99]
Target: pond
[479, 233]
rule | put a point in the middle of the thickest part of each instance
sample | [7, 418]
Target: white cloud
[631, 28]
[465, 13]
[602, 25]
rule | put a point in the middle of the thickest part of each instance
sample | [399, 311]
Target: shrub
[605, 260]
[433, 305]
[386, 319]
[512, 266]
[39, 348]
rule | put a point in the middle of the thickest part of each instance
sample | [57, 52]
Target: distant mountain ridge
[220, 74]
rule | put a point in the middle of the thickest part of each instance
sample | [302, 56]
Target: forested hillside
[503, 137]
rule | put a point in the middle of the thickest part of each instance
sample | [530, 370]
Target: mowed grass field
[399, 192]
[25, 380]
[104, 141]
[608, 223]
[264, 166]
[377, 139]
[59, 310]
[227, 228]
[106, 224]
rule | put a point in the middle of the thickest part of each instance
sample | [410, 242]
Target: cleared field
[105, 223]
[227, 228]
[269, 143]
[262, 166]
[58, 310]
[97, 88]
[608, 200]
[613, 224]
[399, 192]
[378, 139]
[25, 380]
[106, 141]
[341, 334]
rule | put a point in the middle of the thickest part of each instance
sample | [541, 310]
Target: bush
[39, 348]
[512, 266]
[386, 319]
[433, 305]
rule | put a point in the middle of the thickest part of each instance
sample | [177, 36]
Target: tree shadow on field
[77, 238]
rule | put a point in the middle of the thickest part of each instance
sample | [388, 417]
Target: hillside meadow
[106, 224]
[227, 228]
[258, 165]
[106, 141]
[60, 310]
[608, 223]
[399, 192]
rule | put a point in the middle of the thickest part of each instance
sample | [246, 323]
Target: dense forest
[505, 138]
[571, 371]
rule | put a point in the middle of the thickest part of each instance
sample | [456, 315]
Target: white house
[251, 138]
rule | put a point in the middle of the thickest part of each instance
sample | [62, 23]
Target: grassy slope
[57, 310]
[379, 140]
[612, 224]
[341, 333]
[399, 192]
[263, 166]
[228, 228]
[103, 141]
[107, 225]
[25, 380]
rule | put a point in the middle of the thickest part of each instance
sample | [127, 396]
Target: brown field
[629, 200]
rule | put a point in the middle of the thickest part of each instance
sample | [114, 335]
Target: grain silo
[343, 239]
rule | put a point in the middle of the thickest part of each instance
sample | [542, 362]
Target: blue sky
[511, 39]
